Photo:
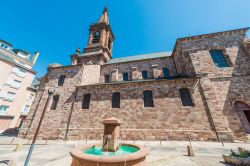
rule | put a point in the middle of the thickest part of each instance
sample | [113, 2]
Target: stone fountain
[111, 152]
[111, 134]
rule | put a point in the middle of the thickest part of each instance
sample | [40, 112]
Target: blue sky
[56, 28]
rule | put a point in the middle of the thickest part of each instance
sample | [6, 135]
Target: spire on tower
[104, 18]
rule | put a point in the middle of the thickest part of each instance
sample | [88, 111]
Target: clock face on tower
[96, 37]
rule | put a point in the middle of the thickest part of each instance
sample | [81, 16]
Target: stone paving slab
[169, 153]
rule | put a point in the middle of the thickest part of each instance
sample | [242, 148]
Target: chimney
[34, 58]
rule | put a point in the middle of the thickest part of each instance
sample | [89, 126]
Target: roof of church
[139, 57]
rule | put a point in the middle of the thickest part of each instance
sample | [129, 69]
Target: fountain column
[111, 134]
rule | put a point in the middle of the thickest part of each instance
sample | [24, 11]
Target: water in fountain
[123, 149]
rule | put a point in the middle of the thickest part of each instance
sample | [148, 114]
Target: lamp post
[50, 93]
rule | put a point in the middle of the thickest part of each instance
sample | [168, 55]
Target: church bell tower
[101, 36]
[97, 51]
[100, 43]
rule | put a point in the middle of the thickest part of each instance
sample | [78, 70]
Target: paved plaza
[166, 153]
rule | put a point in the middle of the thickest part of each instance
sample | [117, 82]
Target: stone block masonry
[213, 91]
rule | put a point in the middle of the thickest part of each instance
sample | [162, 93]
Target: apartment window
[3, 109]
[26, 109]
[10, 96]
[166, 72]
[125, 76]
[4, 45]
[19, 72]
[219, 58]
[116, 100]
[185, 97]
[16, 84]
[86, 101]
[144, 74]
[107, 78]
[54, 102]
[30, 97]
[148, 98]
[61, 80]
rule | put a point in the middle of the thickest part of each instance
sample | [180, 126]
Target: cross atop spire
[104, 18]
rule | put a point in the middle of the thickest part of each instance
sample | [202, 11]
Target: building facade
[199, 91]
[15, 95]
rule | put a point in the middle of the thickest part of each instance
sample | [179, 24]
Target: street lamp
[50, 93]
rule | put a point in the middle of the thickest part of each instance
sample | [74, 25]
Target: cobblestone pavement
[169, 153]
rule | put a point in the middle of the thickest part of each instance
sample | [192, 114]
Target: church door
[243, 111]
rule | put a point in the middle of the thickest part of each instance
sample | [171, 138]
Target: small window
[185, 97]
[3, 109]
[166, 72]
[148, 98]
[16, 84]
[86, 101]
[125, 76]
[10, 96]
[219, 58]
[144, 74]
[54, 102]
[30, 97]
[61, 80]
[26, 109]
[106, 78]
[116, 100]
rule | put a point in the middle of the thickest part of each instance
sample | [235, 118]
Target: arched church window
[116, 100]
[86, 101]
[148, 98]
[185, 97]
[96, 37]
[61, 80]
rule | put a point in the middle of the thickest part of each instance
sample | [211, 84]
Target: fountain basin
[135, 155]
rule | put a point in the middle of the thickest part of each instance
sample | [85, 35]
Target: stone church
[199, 91]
